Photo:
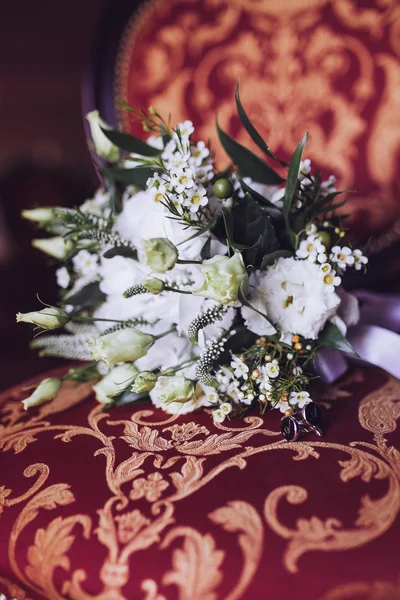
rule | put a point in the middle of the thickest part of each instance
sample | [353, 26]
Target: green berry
[325, 238]
[223, 188]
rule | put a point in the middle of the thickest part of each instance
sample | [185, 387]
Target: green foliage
[248, 163]
[129, 143]
[125, 251]
[252, 131]
[332, 338]
[136, 176]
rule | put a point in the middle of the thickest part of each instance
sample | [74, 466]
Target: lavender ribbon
[375, 338]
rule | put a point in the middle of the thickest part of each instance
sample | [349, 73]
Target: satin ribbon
[375, 338]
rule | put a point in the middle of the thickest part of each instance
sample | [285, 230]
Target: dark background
[45, 47]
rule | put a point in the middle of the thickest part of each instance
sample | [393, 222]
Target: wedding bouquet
[193, 287]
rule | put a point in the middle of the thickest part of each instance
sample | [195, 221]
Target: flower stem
[93, 319]
[161, 335]
[171, 289]
[180, 261]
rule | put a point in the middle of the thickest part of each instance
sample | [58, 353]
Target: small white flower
[283, 406]
[196, 198]
[299, 398]
[289, 356]
[186, 129]
[183, 180]
[359, 259]
[204, 174]
[62, 277]
[85, 263]
[277, 198]
[272, 370]
[311, 228]
[305, 166]
[199, 153]
[218, 415]
[342, 256]
[240, 369]
[311, 249]
[178, 162]
[331, 280]
[226, 408]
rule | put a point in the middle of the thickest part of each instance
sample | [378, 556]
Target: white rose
[115, 382]
[177, 395]
[294, 296]
[223, 277]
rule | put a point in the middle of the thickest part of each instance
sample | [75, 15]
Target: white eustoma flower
[359, 259]
[277, 198]
[342, 256]
[50, 317]
[124, 345]
[348, 313]
[293, 295]
[141, 217]
[102, 144]
[167, 352]
[161, 254]
[57, 247]
[115, 382]
[45, 391]
[62, 277]
[118, 274]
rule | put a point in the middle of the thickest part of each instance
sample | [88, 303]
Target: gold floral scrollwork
[196, 566]
[242, 518]
[374, 516]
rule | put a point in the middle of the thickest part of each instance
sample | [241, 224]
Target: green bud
[223, 188]
[161, 254]
[115, 382]
[144, 382]
[325, 238]
[103, 146]
[124, 345]
[153, 285]
[50, 317]
[173, 389]
[223, 278]
[38, 215]
[45, 391]
[57, 247]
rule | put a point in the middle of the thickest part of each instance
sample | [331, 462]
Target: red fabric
[241, 515]
[330, 67]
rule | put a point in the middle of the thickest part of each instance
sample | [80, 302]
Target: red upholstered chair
[135, 504]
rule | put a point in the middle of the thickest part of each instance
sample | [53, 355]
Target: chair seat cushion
[133, 503]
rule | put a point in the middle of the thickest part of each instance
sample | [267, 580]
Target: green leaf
[137, 176]
[88, 296]
[270, 258]
[248, 163]
[292, 180]
[252, 131]
[252, 230]
[125, 251]
[332, 338]
[256, 196]
[199, 232]
[130, 144]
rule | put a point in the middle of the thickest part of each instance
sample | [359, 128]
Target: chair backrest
[327, 66]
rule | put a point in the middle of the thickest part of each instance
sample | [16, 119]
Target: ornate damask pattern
[131, 504]
[327, 66]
